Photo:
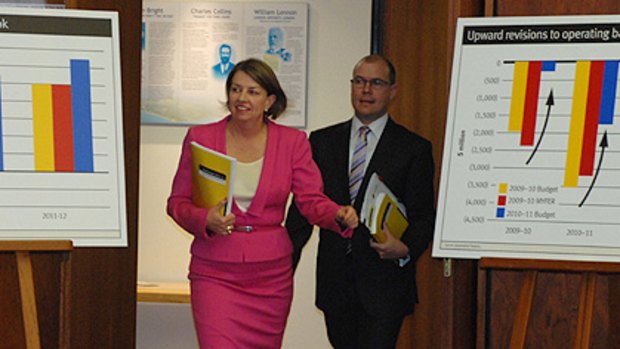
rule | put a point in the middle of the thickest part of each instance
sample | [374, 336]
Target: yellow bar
[503, 188]
[43, 127]
[577, 124]
[517, 101]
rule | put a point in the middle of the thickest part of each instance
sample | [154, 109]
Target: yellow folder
[212, 177]
[381, 207]
[386, 211]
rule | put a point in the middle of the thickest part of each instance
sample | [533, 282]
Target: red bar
[593, 107]
[501, 200]
[63, 128]
[531, 103]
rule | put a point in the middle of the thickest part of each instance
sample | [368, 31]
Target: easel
[531, 268]
[23, 250]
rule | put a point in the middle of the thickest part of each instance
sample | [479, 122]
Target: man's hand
[391, 248]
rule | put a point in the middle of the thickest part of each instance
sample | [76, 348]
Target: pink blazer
[287, 167]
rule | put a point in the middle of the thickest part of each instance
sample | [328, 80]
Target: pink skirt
[240, 305]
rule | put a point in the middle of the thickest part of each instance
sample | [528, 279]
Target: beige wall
[339, 34]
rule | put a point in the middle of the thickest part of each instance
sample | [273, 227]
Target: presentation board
[61, 137]
[531, 162]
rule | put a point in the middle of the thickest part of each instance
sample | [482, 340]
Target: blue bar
[608, 95]
[82, 115]
[501, 212]
[548, 66]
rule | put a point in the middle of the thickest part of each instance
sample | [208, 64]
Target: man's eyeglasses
[376, 84]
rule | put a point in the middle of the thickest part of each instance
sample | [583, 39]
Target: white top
[247, 175]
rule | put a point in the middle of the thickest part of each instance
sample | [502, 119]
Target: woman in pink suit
[241, 267]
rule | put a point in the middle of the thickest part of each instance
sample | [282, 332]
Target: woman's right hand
[218, 224]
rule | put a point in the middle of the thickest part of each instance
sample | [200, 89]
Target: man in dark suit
[366, 288]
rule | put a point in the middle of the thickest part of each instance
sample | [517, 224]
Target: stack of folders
[212, 177]
[381, 207]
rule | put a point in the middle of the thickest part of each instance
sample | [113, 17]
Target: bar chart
[593, 104]
[61, 150]
[61, 122]
[531, 165]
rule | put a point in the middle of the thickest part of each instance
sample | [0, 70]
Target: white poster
[189, 48]
[531, 164]
[61, 141]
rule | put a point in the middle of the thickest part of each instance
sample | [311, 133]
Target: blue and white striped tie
[358, 162]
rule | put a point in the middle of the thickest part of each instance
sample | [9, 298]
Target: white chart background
[88, 208]
[543, 218]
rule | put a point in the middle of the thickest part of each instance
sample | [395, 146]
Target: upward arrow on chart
[603, 145]
[542, 132]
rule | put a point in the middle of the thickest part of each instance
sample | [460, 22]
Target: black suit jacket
[405, 163]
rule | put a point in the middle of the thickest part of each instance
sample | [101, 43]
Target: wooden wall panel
[614, 307]
[11, 327]
[46, 269]
[103, 291]
[418, 38]
[555, 309]
[46, 274]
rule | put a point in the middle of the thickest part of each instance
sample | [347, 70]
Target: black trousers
[356, 329]
[351, 327]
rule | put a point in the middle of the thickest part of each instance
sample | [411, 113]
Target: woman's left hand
[346, 215]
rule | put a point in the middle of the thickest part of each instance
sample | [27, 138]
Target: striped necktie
[358, 162]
